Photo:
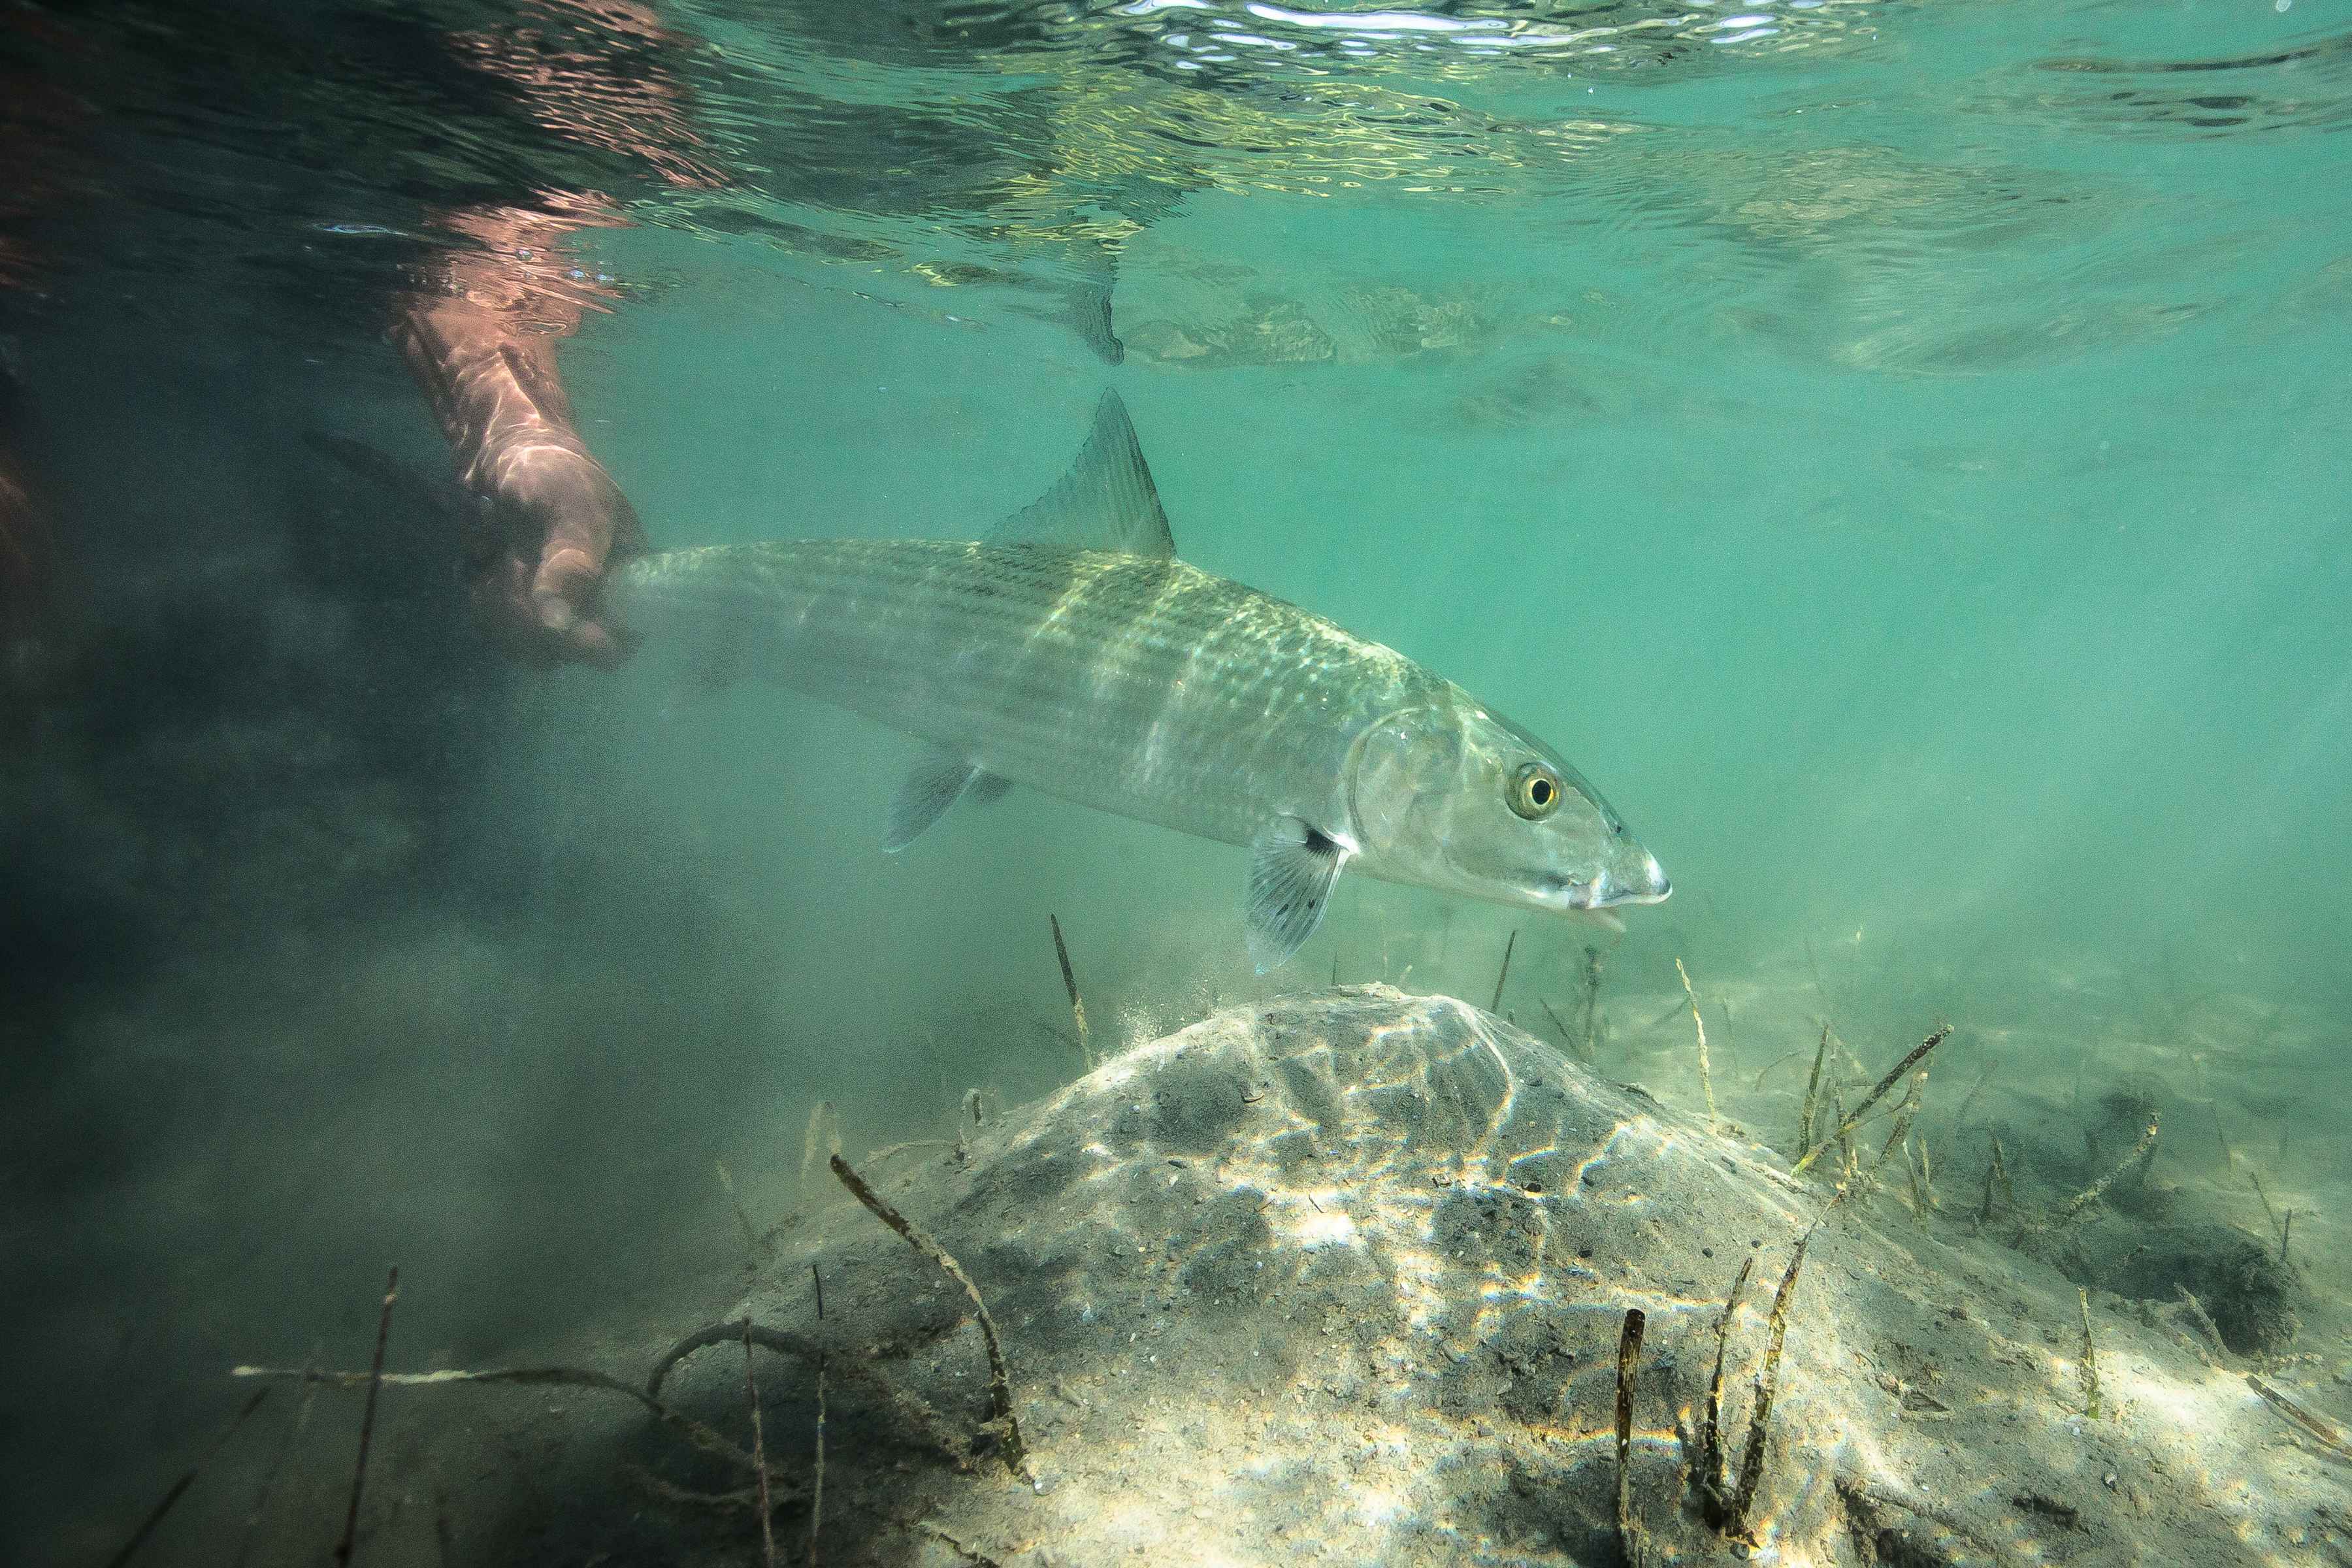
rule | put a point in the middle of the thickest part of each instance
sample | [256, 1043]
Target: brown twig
[1812, 1097]
[1000, 1382]
[1567, 1040]
[783, 1342]
[1706, 1078]
[1504, 973]
[1070, 983]
[2089, 1369]
[1878, 1092]
[2202, 1319]
[1751, 1462]
[1629, 1356]
[2318, 1429]
[1712, 1480]
[2089, 1194]
[759, 1452]
[344, 1547]
[816, 1492]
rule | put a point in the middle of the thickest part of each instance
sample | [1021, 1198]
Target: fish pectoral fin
[1106, 500]
[938, 779]
[1293, 863]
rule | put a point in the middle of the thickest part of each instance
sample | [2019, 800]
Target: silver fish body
[1126, 679]
[1136, 685]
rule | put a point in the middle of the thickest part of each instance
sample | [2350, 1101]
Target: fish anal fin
[936, 781]
[1106, 502]
[1293, 865]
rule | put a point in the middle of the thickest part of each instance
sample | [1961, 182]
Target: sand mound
[1343, 1276]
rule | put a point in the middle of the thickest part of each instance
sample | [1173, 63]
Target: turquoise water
[1896, 452]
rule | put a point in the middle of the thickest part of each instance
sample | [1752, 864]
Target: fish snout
[1646, 884]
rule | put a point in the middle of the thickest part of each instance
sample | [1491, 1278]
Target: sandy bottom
[1346, 1276]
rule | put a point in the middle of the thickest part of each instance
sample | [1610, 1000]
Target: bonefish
[1073, 653]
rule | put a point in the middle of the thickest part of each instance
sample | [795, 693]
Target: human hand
[553, 519]
[555, 523]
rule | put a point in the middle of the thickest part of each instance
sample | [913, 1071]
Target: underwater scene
[1040, 782]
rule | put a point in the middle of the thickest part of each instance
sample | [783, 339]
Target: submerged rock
[1343, 1276]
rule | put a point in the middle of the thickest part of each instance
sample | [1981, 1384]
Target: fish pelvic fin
[1293, 865]
[939, 779]
[1106, 500]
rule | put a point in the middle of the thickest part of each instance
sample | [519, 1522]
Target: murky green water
[1896, 451]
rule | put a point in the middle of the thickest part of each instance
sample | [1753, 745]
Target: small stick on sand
[1712, 1480]
[2090, 1368]
[1812, 1096]
[1504, 973]
[2089, 1194]
[1706, 1078]
[1905, 1109]
[2321, 1431]
[1629, 1355]
[1767, 1380]
[1070, 983]
[816, 1493]
[1000, 1383]
[2000, 1169]
[188, 1477]
[1894, 1076]
[1566, 1039]
[1984, 1207]
[759, 1453]
[2202, 1318]
[2286, 1230]
[367, 1420]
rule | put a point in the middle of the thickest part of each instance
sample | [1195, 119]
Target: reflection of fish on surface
[1073, 652]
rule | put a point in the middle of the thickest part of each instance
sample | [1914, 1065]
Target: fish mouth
[1605, 892]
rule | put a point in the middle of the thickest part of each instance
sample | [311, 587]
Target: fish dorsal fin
[1105, 502]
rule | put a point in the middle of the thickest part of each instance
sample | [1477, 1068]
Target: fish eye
[1535, 791]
